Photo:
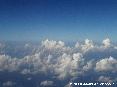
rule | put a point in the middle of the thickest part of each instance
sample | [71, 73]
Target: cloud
[2, 51]
[52, 55]
[106, 45]
[27, 46]
[29, 78]
[52, 44]
[115, 47]
[106, 79]
[68, 65]
[2, 45]
[46, 83]
[60, 61]
[89, 65]
[9, 84]
[88, 45]
[106, 42]
[106, 64]
[68, 85]
[25, 71]
[7, 63]
[65, 65]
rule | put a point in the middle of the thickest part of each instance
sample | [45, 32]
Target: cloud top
[46, 83]
[106, 64]
[60, 61]
[8, 84]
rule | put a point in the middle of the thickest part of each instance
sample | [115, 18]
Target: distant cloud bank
[62, 62]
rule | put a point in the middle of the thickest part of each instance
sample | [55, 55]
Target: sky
[52, 43]
[66, 20]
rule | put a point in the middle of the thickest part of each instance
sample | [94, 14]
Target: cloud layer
[62, 62]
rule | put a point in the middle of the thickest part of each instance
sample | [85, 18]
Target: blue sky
[66, 20]
[54, 62]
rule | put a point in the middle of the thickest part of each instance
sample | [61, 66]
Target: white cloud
[29, 78]
[74, 78]
[27, 46]
[49, 44]
[7, 63]
[2, 45]
[25, 71]
[106, 45]
[89, 65]
[46, 83]
[52, 44]
[68, 85]
[77, 45]
[106, 42]
[89, 46]
[68, 65]
[106, 64]
[9, 84]
[77, 61]
[54, 58]
[115, 47]
[106, 79]
[60, 44]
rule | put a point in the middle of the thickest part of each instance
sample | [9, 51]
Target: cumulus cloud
[88, 66]
[106, 42]
[7, 63]
[52, 44]
[106, 64]
[88, 45]
[8, 84]
[65, 65]
[69, 65]
[106, 45]
[106, 79]
[55, 58]
[46, 83]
